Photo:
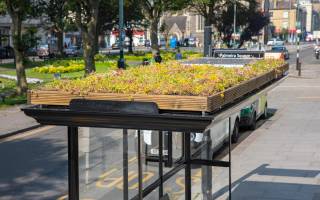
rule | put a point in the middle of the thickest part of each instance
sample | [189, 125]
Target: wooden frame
[165, 102]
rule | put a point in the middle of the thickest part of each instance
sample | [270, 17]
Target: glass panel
[101, 163]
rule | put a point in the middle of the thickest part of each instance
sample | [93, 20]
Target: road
[34, 164]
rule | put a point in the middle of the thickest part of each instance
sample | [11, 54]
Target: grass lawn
[7, 86]
[49, 77]
[131, 59]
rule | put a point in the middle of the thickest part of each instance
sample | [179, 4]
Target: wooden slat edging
[166, 102]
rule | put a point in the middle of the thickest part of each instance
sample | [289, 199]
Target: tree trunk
[154, 35]
[207, 38]
[21, 73]
[130, 36]
[89, 49]
[60, 42]
[89, 33]
[22, 85]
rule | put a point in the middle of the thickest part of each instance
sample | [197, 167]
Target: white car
[275, 42]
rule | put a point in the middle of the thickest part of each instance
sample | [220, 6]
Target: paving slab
[12, 119]
[280, 160]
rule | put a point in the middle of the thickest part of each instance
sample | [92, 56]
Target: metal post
[230, 181]
[298, 54]
[73, 164]
[139, 167]
[234, 21]
[206, 171]
[161, 164]
[187, 158]
[121, 62]
[169, 147]
[125, 165]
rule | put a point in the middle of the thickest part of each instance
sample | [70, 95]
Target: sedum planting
[170, 78]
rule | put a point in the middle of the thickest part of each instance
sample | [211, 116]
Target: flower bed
[68, 66]
[171, 85]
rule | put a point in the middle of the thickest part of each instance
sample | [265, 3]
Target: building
[292, 17]
[6, 29]
[185, 24]
[288, 19]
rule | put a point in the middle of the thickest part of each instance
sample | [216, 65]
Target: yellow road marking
[65, 197]
[180, 182]
[26, 134]
[132, 159]
[146, 176]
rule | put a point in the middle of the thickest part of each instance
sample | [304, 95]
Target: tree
[256, 21]
[133, 19]
[85, 16]
[154, 9]
[57, 13]
[210, 10]
[164, 30]
[19, 10]
[249, 18]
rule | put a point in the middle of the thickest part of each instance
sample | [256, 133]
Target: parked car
[147, 43]
[275, 42]
[192, 42]
[281, 49]
[43, 51]
[162, 42]
[74, 51]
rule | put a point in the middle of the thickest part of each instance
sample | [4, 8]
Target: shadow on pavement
[244, 188]
[33, 168]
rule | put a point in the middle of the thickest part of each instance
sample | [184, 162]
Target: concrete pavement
[12, 119]
[280, 160]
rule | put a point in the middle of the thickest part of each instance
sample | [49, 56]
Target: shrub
[170, 78]
[100, 57]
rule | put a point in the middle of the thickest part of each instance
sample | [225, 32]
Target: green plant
[169, 78]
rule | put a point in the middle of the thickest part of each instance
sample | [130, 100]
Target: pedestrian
[157, 58]
[178, 55]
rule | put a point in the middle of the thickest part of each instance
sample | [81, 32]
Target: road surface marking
[26, 134]
[298, 86]
[180, 182]
[146, 176]
[65, 197]
[308, 97]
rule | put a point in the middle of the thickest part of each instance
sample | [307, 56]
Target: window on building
[200, 23]
[285, 25]
[285, 14]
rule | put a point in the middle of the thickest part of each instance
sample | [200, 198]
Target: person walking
[157, 58]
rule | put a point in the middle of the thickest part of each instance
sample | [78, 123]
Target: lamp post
[121, 61]
[298, 25]
[234, 21]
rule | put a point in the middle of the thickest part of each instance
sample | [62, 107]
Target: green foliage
[249, 18]
[170, 78]
[60, 69]
[69, 66]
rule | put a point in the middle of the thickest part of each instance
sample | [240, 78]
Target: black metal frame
[106, 114]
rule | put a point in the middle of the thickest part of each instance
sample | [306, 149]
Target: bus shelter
[141, 116]
[136, 116]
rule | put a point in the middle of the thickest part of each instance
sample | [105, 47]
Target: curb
[6, 135]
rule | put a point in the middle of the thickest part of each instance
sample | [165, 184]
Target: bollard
[298, 55]
[299, 71]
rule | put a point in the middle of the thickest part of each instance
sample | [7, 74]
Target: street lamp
[234, 21]
[121, 61]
